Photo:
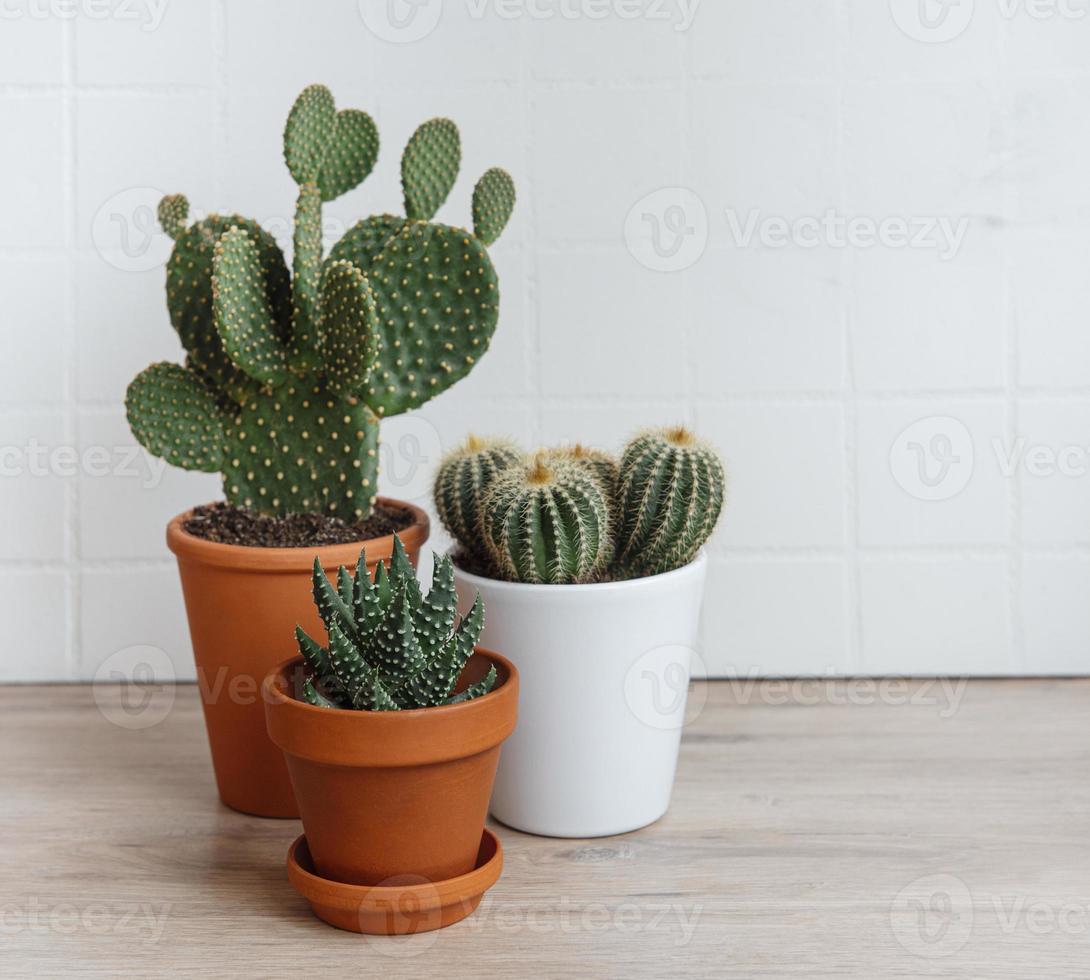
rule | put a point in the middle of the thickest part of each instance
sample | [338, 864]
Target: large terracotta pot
[389, 794]
[243, 605]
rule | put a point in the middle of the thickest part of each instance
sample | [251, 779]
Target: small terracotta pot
[389, 794]
[243, 605]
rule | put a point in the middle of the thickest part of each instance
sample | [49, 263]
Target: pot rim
[696, 566]
[188, 546]
[342, 736]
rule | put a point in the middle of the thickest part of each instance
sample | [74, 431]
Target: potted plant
[392, 731]
[285, 381]
[590, 568]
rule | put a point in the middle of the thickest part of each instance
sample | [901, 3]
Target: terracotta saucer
[405, 905]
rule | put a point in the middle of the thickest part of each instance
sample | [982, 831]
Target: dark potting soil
[226, 524]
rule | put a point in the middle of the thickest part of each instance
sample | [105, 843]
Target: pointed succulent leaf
[493, 202]
[173, 214]
[245, 317]
[312, 695]
[394, 648]
[429, 167]
[315, 656]
[331, 607]
[438, 303]
[375, 696]
[350, 153]
[483, 686]
[347, 663]
[190, 301]
[174, 415]
[403, 575]
[309, 128]
[435, 621]
[345, 587]
[434, 682]
[349, 327]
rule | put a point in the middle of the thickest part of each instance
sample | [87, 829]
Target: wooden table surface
[817, 830]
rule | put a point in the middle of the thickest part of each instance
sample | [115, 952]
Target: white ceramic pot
[605, 672]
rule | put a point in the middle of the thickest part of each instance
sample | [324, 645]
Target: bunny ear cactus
[287, 374]
[390, 647]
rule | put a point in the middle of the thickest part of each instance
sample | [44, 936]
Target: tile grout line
[73, 578]
[532, 359]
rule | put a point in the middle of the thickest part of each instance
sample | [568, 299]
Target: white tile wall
[907, 430]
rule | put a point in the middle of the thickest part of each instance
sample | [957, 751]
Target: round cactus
[463, 477]
[600, 464]
[546, 522]
[670, 496]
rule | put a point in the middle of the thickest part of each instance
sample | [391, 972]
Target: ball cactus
[546, 522]
[463, 475]
[389, 646]
[649, 514]
[287, 374]
[670, 497]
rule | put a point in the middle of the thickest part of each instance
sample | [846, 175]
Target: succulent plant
[670, 496]
[573, 514]
[287, 374]
[463, 475]
[389, 647]
[546, 522]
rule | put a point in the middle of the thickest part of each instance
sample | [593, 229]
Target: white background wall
[804, 355]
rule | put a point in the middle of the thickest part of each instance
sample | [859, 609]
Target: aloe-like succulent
[573, 514]
[389, 647]
[287, 374]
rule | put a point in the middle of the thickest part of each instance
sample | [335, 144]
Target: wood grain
[799, 820]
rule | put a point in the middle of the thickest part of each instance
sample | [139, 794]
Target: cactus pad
[174, 415]
[173, 214]
[493, 202]
[429, 167]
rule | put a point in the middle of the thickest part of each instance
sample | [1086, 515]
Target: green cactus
[389, 647]
[546, 522]
[670, 496]
[287, 374]
[572, 514]
[463, 475]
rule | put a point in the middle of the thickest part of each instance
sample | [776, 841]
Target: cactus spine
[462, 478]
[546, 522]
[670, 495]
[390, 647]
[288, 373]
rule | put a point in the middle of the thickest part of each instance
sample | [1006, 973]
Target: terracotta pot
[243, 605]
[389, 794]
